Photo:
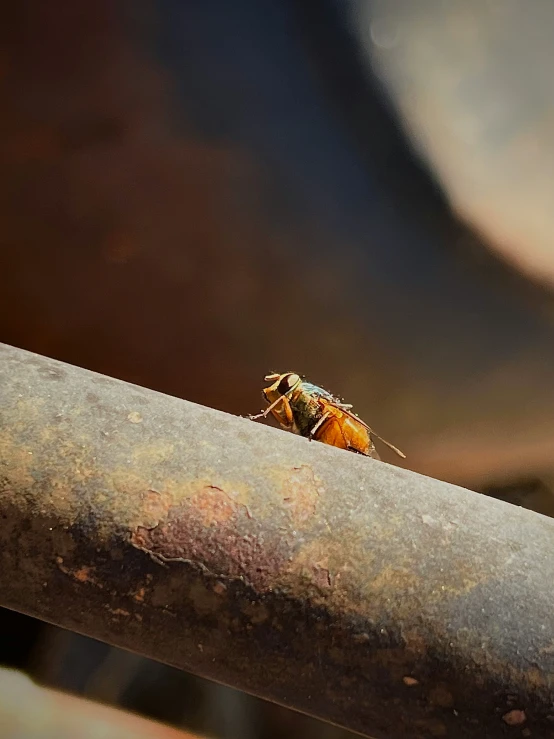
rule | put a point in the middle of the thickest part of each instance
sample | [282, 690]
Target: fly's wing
[395, 449]
[371, 431]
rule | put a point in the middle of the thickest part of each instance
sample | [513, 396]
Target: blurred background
[194, 193]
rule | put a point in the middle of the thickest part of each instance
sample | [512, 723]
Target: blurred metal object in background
[374, 598]
[28, 711]
[473, 82]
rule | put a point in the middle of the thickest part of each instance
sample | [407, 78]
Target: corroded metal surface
[50, 714]
[378, 599]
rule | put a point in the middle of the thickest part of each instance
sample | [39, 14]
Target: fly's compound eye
[287, 383]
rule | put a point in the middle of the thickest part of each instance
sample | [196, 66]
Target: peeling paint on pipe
[369, 596]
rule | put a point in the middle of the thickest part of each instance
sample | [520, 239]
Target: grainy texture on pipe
[375, 598]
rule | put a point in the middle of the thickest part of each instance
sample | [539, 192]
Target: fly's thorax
[318, 392]
[306, 409]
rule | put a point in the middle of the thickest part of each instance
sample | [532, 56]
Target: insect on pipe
[311, 411]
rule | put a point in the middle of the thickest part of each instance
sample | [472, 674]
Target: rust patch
[82, 574]
[214, 505]
[321, 575]
[155, 504]
[21, 464]
[410, 681]
[514, 718]
[119, 612]
[216, 533]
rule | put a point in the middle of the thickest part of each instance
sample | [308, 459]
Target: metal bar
[369, 596]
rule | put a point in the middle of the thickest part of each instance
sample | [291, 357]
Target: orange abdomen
[344, 432]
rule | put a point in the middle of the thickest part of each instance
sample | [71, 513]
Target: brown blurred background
[195, 193]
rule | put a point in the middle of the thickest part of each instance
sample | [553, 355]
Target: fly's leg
[255, 417]
[318, 425]
[289, 418]
[265, 414]
[272, 409]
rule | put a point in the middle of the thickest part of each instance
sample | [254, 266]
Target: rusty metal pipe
[369, 596]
